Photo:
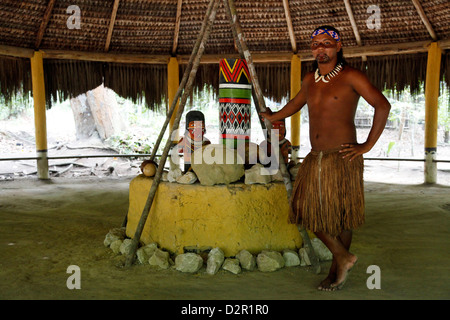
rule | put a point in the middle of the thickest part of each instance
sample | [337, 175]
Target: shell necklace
[326, 78]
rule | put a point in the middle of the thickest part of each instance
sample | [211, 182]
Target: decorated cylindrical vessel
[235, 93]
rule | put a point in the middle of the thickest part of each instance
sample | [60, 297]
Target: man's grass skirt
[328, 193]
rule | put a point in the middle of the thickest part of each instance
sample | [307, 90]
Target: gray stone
[291, 258]
[232, 265]
[174, 174]
[216, 164]
[160, 259]
[125, 247]
[187, 178]
[247, 260]
[188, 262]
[115, 246]
[215, 261]
[321, 250]
[144, 253]
[269, 261]
[257, 174]
[278, 177]
[304, 257]
[113, 235]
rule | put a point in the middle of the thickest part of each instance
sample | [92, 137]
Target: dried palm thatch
[142, 83]
[66, 79]
[148, 27]
[15, 77]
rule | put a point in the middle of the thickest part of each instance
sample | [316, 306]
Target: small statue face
[196, 130]
[279, 125]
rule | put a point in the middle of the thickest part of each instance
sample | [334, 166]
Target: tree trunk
[97, 110]
[105, 112]
[84, 122]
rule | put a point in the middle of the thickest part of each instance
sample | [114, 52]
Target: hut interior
[58, 49]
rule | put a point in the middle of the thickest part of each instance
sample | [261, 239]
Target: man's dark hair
[340, 54]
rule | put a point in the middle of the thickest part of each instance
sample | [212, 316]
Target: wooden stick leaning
[180, 89]
[157, 178]
[261, 107]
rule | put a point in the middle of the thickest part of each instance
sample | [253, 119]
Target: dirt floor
[47, 226]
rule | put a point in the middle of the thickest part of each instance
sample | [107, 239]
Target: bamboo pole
[431, 111]
[296, 70]
[235, 25]
[40, 121]
[157, 178]
[173, 82]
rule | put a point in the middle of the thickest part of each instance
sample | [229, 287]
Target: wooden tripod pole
[157, 178]
[261, 107]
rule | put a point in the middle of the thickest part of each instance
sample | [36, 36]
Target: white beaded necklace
[326, 78]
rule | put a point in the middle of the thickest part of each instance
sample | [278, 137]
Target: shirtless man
[328, 196]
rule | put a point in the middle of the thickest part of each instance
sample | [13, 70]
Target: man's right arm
[291, 107]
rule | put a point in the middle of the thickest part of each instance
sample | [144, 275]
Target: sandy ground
[46, 226]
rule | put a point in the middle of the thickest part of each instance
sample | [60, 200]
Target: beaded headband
[329, 32]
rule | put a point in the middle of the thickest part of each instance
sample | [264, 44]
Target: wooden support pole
[40, 122]
[157, 179]
[296, 70]
[261, 105]
[173, 82]
[431, 111]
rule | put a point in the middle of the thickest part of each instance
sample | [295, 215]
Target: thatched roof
[150, 28]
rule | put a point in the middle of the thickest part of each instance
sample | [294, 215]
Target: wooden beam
[106, 57]
[287, 12]
[258, 57]
[348, 8]
[111, 24]
[16, 52]
[424, 18]
[173, 82]
[45, 20]
[177, 27]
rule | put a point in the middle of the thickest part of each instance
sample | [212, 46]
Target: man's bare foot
[343, 271]
[326, 283]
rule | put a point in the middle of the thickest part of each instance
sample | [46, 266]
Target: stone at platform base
[230, 217]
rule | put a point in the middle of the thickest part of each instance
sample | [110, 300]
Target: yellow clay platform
[233, 218]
